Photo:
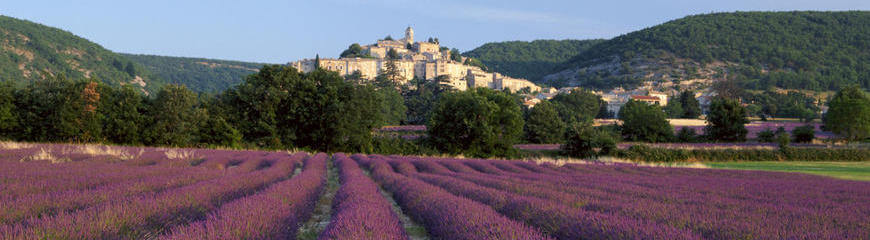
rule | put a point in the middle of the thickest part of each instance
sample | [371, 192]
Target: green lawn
[843, 170]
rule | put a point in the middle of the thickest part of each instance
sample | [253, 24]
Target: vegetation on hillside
[529, 60]
[32, 51]
[792, 50]
[198, 74]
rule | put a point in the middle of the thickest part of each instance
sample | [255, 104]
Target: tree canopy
[726, 121]
[791, 50]
[645, 122]
[529, 60]
[849, 114]
[479, 122]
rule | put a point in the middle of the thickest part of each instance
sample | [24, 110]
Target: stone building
[422, 60]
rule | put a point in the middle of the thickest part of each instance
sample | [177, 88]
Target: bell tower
[409, 35]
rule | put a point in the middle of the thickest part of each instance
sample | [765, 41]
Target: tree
[543, 124]
[645, 122]
[803, 134]
[174, 117]
[849, 114]
[455, 55]
[727, 88]
[691, 107]
[280, 107]
[766, 135]
[392, 54]
[8, 111]
[216, 131]
[674, 109]
[421, 100]
[479, 122]
[58, 109]
[124, 121]
[270, 105]
[317, 61]
[583, 141]
[726, 121]
[89, 119]
[577, 106]
[130, 69]
[687, 135]
[603, 111]
[393, 108]
[354, 50]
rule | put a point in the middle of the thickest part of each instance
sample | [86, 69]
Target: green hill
[198, 74]
[816, 51]
[31, 51]
[530, 60]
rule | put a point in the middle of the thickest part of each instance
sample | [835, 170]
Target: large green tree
[543, 124]
[848, 114]
[268, 106]
[645, 122]
[124, 121]
[393, 108]
[58, 109]
[578, 106]
[479, 122]
[726, 121]
[174, 117]
[691, 107]
[280, 107]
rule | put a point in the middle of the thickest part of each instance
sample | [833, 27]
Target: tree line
[280, 107]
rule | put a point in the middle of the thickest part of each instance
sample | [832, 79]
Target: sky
[273, 31]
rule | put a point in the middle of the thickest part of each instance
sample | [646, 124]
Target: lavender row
[555, 218]
[359, 210]
[274, 213]
[717, 204]
[47, 204]
[445, 215]
[164, 178]
[144, 216]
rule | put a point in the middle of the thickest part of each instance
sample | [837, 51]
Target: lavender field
[55, 191]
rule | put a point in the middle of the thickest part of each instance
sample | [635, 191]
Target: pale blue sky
[281, 31]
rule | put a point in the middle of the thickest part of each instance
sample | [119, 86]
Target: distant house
[545, 96]
[647, 99]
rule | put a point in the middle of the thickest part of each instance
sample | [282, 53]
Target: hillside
[790, 50]
[198, 74]
[32, 51]
[529, 60]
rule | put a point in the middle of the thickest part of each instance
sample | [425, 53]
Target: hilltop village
[422, 60]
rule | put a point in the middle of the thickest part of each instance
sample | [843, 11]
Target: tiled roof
[650, 98]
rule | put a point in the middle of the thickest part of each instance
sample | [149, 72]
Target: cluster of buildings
[617, 97]
[421, 60]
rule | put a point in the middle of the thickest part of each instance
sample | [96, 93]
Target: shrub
[803, 134]
[687, 135]
[766, 136]
[584, 141]
[783, 140]
[648, 154]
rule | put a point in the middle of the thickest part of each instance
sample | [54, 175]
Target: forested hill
[792, 50]
[530, 60]
[32, 51]
[198, 74]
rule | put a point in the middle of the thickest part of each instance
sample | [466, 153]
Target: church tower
[409, 35]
